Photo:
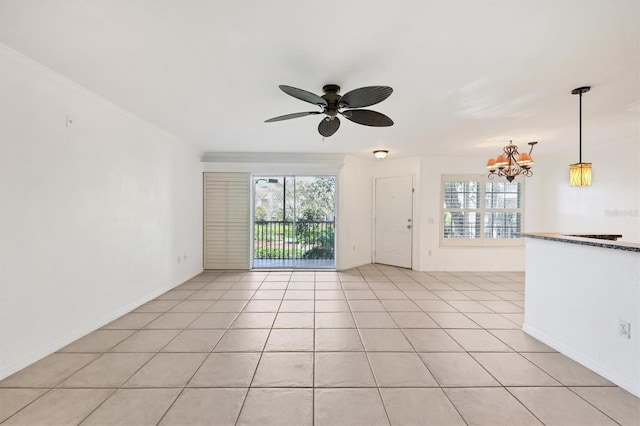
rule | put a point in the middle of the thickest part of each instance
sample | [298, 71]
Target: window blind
[226, 221]
[478, 211]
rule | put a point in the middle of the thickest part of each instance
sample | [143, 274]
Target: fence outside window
[277, 239]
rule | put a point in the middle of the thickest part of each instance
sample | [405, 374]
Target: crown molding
[12, 56]
[272, 158]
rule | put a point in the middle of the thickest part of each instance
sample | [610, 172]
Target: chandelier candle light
[511, 163]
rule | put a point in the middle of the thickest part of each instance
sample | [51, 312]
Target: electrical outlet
[624, 329]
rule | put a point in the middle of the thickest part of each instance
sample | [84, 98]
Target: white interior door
[394, 220]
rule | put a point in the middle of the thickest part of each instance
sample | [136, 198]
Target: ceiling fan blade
[290, 116]
[303, 95]
[368, 117]
[328, 127]
[364, 96]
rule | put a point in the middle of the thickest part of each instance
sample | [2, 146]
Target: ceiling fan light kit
[334, 104]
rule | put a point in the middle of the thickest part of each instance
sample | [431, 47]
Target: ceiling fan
[332, 104]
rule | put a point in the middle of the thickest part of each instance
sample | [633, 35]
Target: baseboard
[470, 269]
[580, 358]
[352, 265]
[7, 370]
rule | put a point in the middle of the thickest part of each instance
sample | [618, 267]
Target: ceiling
[468, 75]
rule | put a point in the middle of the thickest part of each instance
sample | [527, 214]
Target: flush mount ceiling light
[380, 153]
[580, 173]
[511, 163]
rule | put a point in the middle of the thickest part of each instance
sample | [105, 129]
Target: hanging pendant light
[580, 173]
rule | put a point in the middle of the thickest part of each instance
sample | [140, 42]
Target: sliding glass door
[294, 222]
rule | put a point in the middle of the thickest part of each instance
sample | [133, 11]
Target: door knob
[408, 226]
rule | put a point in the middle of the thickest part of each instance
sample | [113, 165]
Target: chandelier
[511, 163]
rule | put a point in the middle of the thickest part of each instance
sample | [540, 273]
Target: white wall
[354, 214]
[93, 216]
[611, 205]
[435, 258]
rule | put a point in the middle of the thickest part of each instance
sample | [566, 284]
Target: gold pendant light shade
[580, 174]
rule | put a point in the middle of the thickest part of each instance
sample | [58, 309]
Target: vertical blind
[226, 221]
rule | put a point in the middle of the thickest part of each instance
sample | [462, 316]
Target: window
[477, 211]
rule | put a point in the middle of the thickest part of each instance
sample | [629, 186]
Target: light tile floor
[373, 345]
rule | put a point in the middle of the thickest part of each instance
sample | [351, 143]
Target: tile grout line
[160, 351]
[366, 354]
[204, 359]
[195, 370]
[487, 371]
[588, 402]
[264, 346]
[427, 367]
[467, 352]
[108, 351]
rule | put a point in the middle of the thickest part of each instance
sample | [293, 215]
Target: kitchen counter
[595, 240]
[578, 293]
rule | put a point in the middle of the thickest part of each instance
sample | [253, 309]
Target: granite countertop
[600, 241]
[610, 237]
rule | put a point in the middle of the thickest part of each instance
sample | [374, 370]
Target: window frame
[482, 241]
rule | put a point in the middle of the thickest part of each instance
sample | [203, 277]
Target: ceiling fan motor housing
[330, 88]
[332, 97]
